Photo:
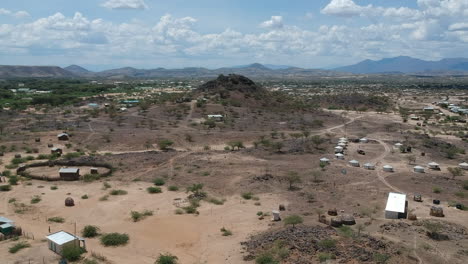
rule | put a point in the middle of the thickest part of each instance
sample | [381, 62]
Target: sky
[104, 34]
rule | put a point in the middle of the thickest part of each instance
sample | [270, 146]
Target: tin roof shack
[57, 241]
[7, 226]
[69, 174]
[217, 118]
[63, 136]
[56, 150]
[396, 206]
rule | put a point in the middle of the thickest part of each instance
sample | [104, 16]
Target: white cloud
[459, 27]
[19, 14]
[345, 8]
[274, 22]
[125, 4]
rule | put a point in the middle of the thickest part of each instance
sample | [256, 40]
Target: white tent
[344, 139]
[398, 145]
[338, 149]
[324, 160]
[354, 163]
[388, 168]
[463, 165]
[433, 165]
[369, 166]
[363, 140]
[418, 169]
[343, 145]
[396, 205]
[339, 156]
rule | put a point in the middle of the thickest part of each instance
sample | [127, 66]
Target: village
[127, 181]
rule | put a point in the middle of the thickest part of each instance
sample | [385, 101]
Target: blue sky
[101, 34]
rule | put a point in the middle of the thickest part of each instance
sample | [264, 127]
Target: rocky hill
[7, 71]
[231, 82]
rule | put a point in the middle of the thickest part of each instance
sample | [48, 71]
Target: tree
[293, 177]
[166, 259]
[293, 220]
[165, 144]
[236, 144]
[456, 172]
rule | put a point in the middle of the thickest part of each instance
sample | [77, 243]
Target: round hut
[354, 163]
[343, 145]
[338, 149]
[418, 169]
[363, 140]
[339, 156]
[369, 166]
[69, 202]
[463, 166]
[333, 212]
[387, 168]
[325, 160]
[336, 221]
[348, 219]
[433, 166]
[343, 139]
[398, 145]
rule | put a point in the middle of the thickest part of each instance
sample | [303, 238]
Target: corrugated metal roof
[69, 170]
[61, 237]
[396, 202]
[6, 225]
[62, 134]
[5, 220]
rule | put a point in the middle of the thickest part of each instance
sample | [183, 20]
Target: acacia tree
[293, 177]
[293, 220]
[456, 172]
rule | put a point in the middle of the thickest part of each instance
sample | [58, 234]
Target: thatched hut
[69, 202]
[437, 211]
[336, 221]
[63, 136]
[333, 212]
[348, 219]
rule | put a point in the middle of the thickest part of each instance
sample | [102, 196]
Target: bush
[346, 231]
[72, 252]
[84, 197]
[53, 188]
[327, 243]
[114, 239]
[56, 219]
[381, 258]
[137, 216]
[5, 188]
[465, 185]
[154, 190]
[18, 246]
[165, 144]
[266, 258]
[166, 259]
[118, 192]
[436, 190]
[173, 188]
[226, 232]
[90, 231]
[216, 201]
[159, 182]
[36, 199]
[13, 180]
[247, 195]
[104, 198]
[91, 177]
[325, 256]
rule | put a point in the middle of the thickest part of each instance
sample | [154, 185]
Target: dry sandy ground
[194, 239]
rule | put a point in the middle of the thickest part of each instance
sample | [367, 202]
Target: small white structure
[325, 160]
[354, 163]
[216, 117]
[418, 169]
[338, 149]
[463, 165]
[276, 216]
[387, 168]
[369, 166]
[344, 139]
[363, 140]
[396, 206]
[57, 241]
[433, 166]
[343, 145]
[339, 156]
[398, 145]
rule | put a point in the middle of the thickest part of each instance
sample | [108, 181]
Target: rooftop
[5, 220]
[396, 202]
[69, 170]
[61, 237]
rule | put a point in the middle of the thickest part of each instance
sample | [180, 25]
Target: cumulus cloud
[125, 4]
[459, 27]
[18, 14]
[274, 22]
[345, 8]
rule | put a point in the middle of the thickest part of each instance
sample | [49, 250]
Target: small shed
[369, 166]
[344, 139]
[387, 168]
[398, 145]
[63, 136]
[363, 140]
[343, 145]
[325, 160]
[94, 171]
[463, 165]
[69, 174]
[343, 142]
[56, 150]
[354, 163]
[57, 241]
[217, 118]
[433, 166]
[339, 156]
[418, 169]
[276, 216]
[7, 226]
[396, 206]
[338, 149]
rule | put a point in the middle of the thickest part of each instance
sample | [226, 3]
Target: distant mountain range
[397, 65]
[407, 65]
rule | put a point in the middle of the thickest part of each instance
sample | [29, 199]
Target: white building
[57, 241]
[339, 156]
[396, 206]
[418, 169]
[387, 168]
[433, 166]
[324, 160]
[354, 163]
[369, 166]
[463, 165]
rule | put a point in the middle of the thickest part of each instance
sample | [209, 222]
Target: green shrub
[173, 188]
[159, 182]
[216, 201]
[460, 194]
[5, 188]
[166, 259]
[72, 252]
[104, 198]
[381, 258]
[12, 200]
[53, 188]
[137, 216]
[114, 239]
[325, 256]
[84, 197]
[436, 190]
[179, 211]
[327, 243]
[91, 177]
[36, 199]
[56, 219]
[247, 195]
[106, 185]
[18, 246]
[266, 258]
[90, 231]
[293, 220]
[13, 180]
[465, 185]
[190, 209]
[118, 192]
[226, 232]
[153, 190]
[90, 261]
[345, 231]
